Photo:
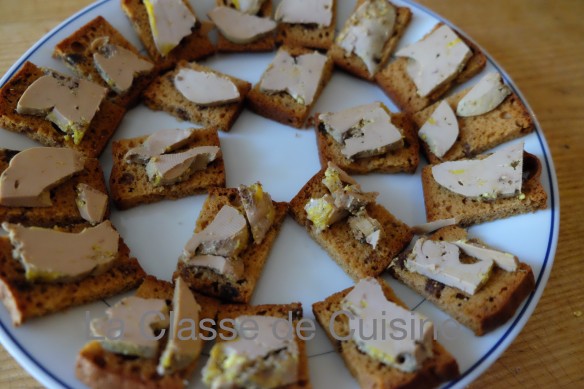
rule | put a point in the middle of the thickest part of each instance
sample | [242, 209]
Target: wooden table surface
[539, 44]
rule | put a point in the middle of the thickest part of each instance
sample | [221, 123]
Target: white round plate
[283, 159]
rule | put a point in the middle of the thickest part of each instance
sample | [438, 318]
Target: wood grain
[539, 43]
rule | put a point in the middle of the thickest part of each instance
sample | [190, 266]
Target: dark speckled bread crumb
[441, 203]
[490, 307]
[397, 84]
[102, 127]
[64, 210]
[311, 36]
[356, 258]
[254, 257]
[129, 182]
[405, 159]
[371, 373]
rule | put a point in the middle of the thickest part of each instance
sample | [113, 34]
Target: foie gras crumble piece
[91, 203]
[258, 208]
[366, 229]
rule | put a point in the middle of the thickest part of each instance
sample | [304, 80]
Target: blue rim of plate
[38, 371]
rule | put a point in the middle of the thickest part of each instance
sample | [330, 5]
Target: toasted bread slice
[26, 300]
[442, 203]
[64, 210]
[490, 307]
[397, 84]
[192, 47]
[311, 36]
[284, 311]
[129, 182]
[254, 257]
[480, 133]
[358, 259]
[162, 95]
[404, 159]
[374, 374]
[351, 63]
[102, 127]
[102, 369]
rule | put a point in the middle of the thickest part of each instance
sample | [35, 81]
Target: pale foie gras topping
[140, 317]
[205, 88]
[54, 256]
[181, 350]
[250, 7]
[497, 175]
[246, 361]
[168, 169]
[163, 141]
[240, 27]
[91, 203]
[298, 76]
[259, 210]
[426, 228]
[505, 261]
[367, 302]
[484, 97]
[364, 131]
[367, 31]
[336, 178]
[440, 130]
[436, 59]
[68, 102]
[117, 65]
[230, 268]
[170, 21]
[366, 229]
[322, 212]
[440, 261]
[31, 174]
[226, 236]
[353, 199]
[318, 12]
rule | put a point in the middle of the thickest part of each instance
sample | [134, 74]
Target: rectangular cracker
[404, 159]
[102, 127]
[356, 258]
[26, 300]
[254, 257]
[490, 307]
[192, 47]
[351, 63]
[281, 106]
[232, 311]
[441, 203]
[371, 373]
[478, 134]
[397, 84]
[99, 368]
[161, 95]
[77, 54]
[64, 210]
[129, 182]
[311, 36]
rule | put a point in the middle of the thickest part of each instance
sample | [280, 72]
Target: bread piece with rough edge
[102, 369]
[284, 311]
[281, 106]
[397, 84]
[311, 36]
[490, 307]
[161, 95]
[129, 184]
[254, 257]
[441, 203]
[353, 64]
[26, 300]
[371, 373]
[357, 259]
[404, 159]
[192, 47]
[265, 43]
[64, 210]
[478, 134]
[76, 52]
[102, 127]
